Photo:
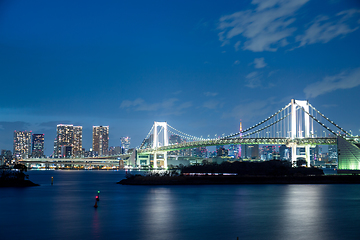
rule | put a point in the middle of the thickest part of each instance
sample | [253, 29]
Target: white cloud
[344, 80]
[269, 26]
[252, 75]
[210, 94]
[265, 28]
[259, 63]
[323, 29]
[253, 80]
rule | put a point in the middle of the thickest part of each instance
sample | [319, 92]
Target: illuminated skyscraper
[37, 145]
[22, 144]
[101, 139]
[77, 142]
[64, 137]
[68, 138]
[125, 144]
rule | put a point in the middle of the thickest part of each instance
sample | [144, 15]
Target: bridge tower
[300, 120]
[157, 142]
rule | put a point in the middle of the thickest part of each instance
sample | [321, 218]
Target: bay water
[65, 210]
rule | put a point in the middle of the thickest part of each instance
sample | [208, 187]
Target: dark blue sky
[201, 66]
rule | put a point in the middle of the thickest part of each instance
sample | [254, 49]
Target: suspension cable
[182, 136]
[251, 133]
[147, 136]
[256, 125]
[327, 128]
[185, 133]
[330, 120]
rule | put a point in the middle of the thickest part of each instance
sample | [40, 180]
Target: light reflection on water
[65, 210]
[303, 216]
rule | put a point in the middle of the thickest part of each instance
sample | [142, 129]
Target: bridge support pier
[155, 160]
[307, 155]
[165, 160]
[293, 154]
[296, 131]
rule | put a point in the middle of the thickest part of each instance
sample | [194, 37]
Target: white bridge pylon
[297, 125]
[296, 115]
[157, 142]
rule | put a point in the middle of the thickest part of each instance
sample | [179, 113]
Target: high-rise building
[250, 151]
[101, 139]
[68, 137]
[22, 144]
[55, 147]
[64, 137]
[77, 142]
[37, 145]
[125, 144]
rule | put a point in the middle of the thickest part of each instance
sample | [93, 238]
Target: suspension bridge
[296, 125]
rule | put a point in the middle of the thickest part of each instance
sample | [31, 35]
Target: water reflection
[95, 226]
[303, 213]
[65, 210]
[160, 214]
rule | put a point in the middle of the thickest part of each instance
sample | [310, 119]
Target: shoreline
[16, 183]
[220, 180]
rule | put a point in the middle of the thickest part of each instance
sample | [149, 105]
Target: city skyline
[199, 66]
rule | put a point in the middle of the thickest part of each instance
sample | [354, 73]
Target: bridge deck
[237, 141]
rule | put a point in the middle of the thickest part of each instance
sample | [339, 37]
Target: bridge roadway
[107, 162]
[113, 160]
[238, 141]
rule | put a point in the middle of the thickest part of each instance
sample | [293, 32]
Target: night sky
[199, 65]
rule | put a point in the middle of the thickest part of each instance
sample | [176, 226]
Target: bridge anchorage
[298, 125]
